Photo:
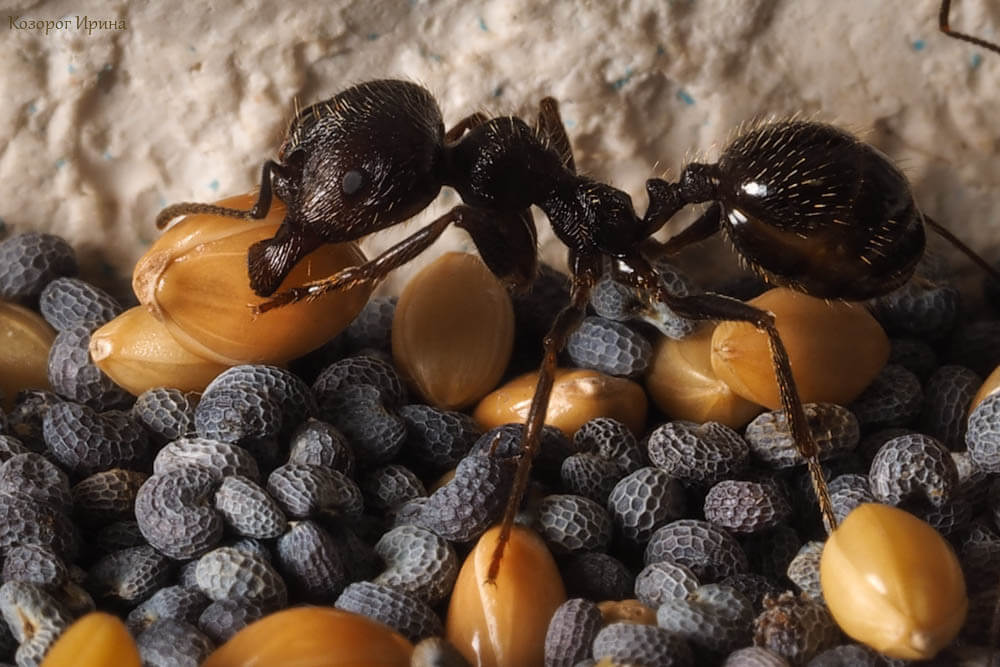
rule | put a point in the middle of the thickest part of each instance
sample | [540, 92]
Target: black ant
[805, 204]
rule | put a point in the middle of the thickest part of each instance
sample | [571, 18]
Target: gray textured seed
[755, 656]
[222, 619]
[892, 399]
[571, 632]
[746, 506]
[237, 411]
[590, 475]
[228, 573]
[304, 491]
[835, 430]
[402, 612]
[847, 655]
[658, 582]
[714, 617]
[911, 466]
[846, 499]
[754, 587]
[914, 355]
[709, 551]
[982, 436]
[176, 602]
[175, 513]
[30, 261]
[974, 345]
[319, 443]
[700, 454]
[643, 501]
[129, 576]
[116, 536]
[84, 441]
[597, 576]
[74, 376]
[70, 302]
[796, 627]
[417, 562]
[612, 440]
[294, 398]
[11, 446]
[35, 564]
[311, 562]
[388, 487]
[359, 370]
[570, 523]
[248, 510]
[609, 347]
[436, 440]
[29, 609]
[375, 431]
[169, 642]
[108, 496]
[26, 521]
[918, 311]
[220, 459]
[641, 644]
[372, 328]
[948, 394]
[33, 476]
[505, 442]
[465, 507]
[804, 569]
[167, 413]
[24, 421]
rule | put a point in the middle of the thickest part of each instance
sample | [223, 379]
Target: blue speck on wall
[107, 155]
[372, 36]
[60, 162]
[685, 97]
[976, 60]
[482, 25]
[70, 69]
[32, 108]
[620, 82]
[498, 91]
[918, 45]
[214, 185]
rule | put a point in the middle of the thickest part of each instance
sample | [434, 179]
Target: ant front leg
[372, 271]
[586, 272]
[718, 307]
[258, 211]
[944, 26]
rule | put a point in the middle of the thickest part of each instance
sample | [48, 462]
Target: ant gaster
[805, 204]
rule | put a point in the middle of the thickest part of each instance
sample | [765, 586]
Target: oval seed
[24, 355]
[95, 640]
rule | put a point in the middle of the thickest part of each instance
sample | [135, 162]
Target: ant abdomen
[809, 206]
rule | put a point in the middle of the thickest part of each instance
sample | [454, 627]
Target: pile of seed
[192, 516]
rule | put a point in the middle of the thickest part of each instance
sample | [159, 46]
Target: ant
[946, 29]
[805, 204]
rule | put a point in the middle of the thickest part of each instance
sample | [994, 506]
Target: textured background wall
[100, 128]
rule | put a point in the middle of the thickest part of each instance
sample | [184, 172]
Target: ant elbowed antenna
[805, 204]
[946, 29]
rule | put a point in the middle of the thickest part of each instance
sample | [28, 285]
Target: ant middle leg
[586, 271]
[718, 307]
[551, 127]
[258, 211]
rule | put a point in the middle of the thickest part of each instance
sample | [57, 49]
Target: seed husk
[194, 280]
[835, 349]
[453, 331]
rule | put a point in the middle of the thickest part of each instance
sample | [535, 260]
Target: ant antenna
[991, 271]
[946, 29]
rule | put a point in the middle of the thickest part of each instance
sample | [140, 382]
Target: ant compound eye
[352, 182]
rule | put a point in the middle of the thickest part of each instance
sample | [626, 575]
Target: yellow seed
[626, 611]
[25, 339]
[94, 640]
[453, 331]
[504, 624]
[990, 387]
[892, 582]
[136, 351]
[683, 384]
[835, 348]
[578, 395]
[313, 637]
[194, 279]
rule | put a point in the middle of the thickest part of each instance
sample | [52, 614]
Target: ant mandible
[806, 205]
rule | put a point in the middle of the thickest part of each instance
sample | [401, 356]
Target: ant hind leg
[551, 127]
[944, 26]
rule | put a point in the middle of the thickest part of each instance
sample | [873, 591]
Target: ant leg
[946, 29]
[550, 125]
[461, 127]
[507, 243]
[586, 271]
[718, 307]
[705, 226]
[373, 270]
[256, 212]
